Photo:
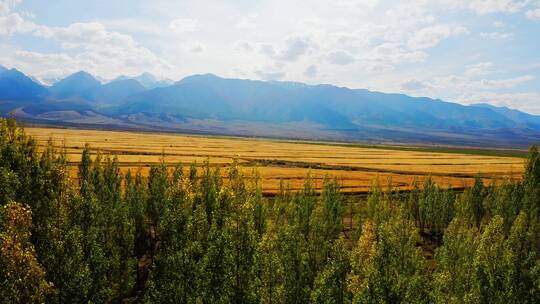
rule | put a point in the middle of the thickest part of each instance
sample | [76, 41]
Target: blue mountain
[113, 91]
[149, 81]
[209, 96]
[208, 103]
[14, 85]
[74, 85]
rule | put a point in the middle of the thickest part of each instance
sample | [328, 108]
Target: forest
[206, 234]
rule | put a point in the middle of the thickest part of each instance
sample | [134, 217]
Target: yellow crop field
[355, 166]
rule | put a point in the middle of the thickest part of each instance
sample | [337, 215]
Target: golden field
[356, 167]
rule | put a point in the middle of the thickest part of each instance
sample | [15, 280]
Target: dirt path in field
[250, 162]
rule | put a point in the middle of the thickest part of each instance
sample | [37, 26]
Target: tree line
[189, 235]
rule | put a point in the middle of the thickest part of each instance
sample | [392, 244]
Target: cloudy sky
[466, 51]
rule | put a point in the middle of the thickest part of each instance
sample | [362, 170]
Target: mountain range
[213, 105]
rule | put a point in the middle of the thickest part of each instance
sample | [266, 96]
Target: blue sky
[463, 51]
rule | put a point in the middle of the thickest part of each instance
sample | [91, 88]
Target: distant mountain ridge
[74, 85]
[15, 85]
[147, 80]
[115, 90]
[211, 104]
[150, 81]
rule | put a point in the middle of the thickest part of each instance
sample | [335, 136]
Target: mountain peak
[487, 105]
[147, 75]
[82, 75]
[15, 84]
[150, 81]
[119, 78]
[14, 73]
[200, 77]
[114, 91]
[75, 83]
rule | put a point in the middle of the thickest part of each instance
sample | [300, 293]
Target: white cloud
[247, 22]
[352, 41]
[93, 37]
[496, 6]
[14, 23]
[414, 85]
[504, 83]
[533, 14]
[183, 25]
[134, 26]
[378, 67]
[269, 74]
[431, 36]
[391, 53]
[243, 46]
[195, 47]
[400, 23]
[92, 47]
[4, 8]
[525, 101]
[267, 49]
[7, 5]
[311, 71]
[467, 88]
[295, 46]
[10, 22]
[46, 65]
[496, 35]
[483, 7]
[358, 3]
[478, 69]
[340, 57]
[466, 83]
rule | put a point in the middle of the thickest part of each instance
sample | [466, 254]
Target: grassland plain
[355, 166]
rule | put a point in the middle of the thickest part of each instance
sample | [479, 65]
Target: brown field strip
[355, 167]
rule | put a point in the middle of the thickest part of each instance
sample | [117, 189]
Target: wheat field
[355, 167]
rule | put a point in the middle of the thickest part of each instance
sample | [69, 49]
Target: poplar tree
[22, 278]
[453, 278]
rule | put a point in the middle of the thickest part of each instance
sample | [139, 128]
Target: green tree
[22, 278]
[523, 275]
[386, 266]
[435, 208]
[531, 180]
[453, 278]
[491, 264]
[270, 270]
[470, 204]
[330, 283]
[136, 196]
[295, 261]
[244, 225]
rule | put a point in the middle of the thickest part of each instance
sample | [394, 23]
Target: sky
[465, 51]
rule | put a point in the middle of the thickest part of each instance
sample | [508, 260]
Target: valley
[212, 105]
[355, 167]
